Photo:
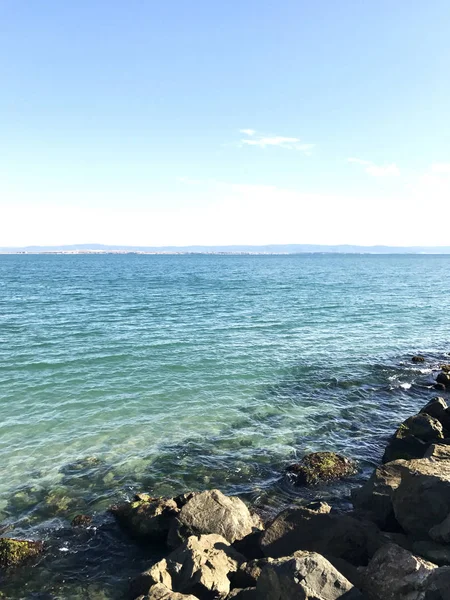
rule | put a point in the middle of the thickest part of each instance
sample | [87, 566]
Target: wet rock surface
[16, 552]
[319, 467]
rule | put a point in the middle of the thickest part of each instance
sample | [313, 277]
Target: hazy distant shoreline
[235, 249]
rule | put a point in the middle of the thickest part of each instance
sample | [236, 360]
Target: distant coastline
[227, 250]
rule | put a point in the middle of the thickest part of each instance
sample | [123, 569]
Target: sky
[241, 122]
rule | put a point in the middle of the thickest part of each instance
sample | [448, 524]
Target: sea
[122, 373]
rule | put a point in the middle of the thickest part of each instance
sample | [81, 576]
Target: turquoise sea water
[120, 373]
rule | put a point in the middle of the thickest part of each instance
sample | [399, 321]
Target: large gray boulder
[412, 438]
[161, 592]
[375, 496]
[213, 512]
[422, 499]
[340, 536]
[200, 567]
[304, 576]
[395, 574]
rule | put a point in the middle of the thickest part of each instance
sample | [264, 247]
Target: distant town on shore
[235, 249]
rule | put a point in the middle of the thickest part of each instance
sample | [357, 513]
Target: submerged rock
[412, 438]
[81, 521]
[213, 512]
[321, 466]
[15, 552]
[306, 576]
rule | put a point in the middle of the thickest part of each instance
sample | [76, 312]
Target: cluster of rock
[394, 545]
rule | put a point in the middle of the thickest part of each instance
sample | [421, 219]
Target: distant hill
[268, 249]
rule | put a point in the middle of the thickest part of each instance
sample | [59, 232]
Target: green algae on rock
[321, 467]
[15, 552]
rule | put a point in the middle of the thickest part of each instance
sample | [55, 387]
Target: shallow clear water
[195, 371]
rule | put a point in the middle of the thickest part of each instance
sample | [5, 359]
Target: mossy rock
[16, 552]
[321, 467]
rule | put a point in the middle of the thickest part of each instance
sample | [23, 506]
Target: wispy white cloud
[376, 170]
[441, 168]
[265, 141]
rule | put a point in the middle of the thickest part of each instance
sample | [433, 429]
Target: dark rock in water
[306, 576]
[446, 368]
[81, 521]
[439, 386]
[15, 552]
[200, 566]
[321, 466]
[213, 512]
[418, 359]
[149, 518]
[375, 496]
[444, 378]
[342, 536]
[412, 438]
[396, 574]
[422, 499]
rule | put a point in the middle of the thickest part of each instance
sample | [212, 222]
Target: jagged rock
[200, 566]
[243, 594]
[341, 536]
[432, 551]
[213, 512]
[418, 359]
[422, 499]
[304, 576]
[147, 518]
[248, 573]
[412, 438]
[321, 466]
[375, 496]
[395, 574]
[438, 452]
[161, 592]
[437, 585]
[249, 545]
[15, 552]
[438, 409]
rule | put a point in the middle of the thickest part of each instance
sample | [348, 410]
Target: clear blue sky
[121, 122]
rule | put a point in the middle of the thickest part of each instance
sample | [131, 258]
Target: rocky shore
[393, 545]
